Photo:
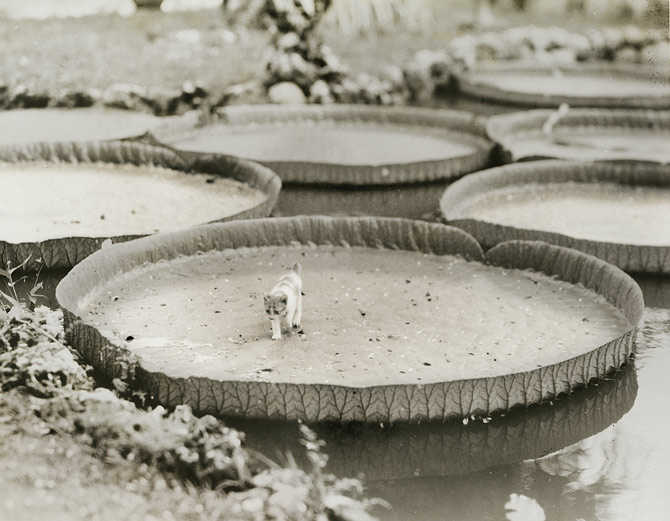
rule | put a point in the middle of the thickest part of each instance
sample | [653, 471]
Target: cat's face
[275, 305]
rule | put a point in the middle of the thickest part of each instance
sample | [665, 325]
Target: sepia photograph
[334, 260]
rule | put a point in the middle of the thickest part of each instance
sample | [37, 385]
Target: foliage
[33, 356]
[555, 44]
[277, 15]
[294, 494]
[125, 369]
[361, 16]
[202, 451]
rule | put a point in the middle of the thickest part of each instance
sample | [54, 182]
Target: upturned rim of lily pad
[473, 86]
[65, 252]
[326, 402]
[511, 130]
[628, 257]
[466, 124]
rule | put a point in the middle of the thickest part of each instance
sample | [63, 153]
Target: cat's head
[275, 305]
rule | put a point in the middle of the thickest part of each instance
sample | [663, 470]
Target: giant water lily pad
[342, 145]
[60, 201]
[619, 212]
[85, 124]
[584, 134]
[593, 85]
[402, 319]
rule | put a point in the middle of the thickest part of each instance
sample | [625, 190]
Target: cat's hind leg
[298, 312]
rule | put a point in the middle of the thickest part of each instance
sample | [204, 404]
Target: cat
[285, 301]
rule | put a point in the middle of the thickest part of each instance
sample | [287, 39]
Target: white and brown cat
[284, 302]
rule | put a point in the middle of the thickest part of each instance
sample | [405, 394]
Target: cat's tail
[296, 267]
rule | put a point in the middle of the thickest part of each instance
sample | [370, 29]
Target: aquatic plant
[33, 356]
[314, 494]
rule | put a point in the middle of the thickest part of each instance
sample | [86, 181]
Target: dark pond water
[601, 454]
[419, 201]
[471, 104]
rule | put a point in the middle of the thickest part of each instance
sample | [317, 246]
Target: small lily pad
[584, 134]
[585, 85]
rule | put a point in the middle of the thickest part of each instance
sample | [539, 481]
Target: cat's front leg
[289, 318]
[276, 329]
[298, 311]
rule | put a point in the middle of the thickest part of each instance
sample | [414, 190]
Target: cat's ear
[266, 297]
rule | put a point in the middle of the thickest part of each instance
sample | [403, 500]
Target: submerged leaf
[9, 298]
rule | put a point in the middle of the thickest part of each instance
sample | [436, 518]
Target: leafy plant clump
[33, 356]
[202, 451]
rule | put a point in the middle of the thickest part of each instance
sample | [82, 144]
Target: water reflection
[626, 466]
[619, 474]
[655, 288]
[405, 451]
[26, 281]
